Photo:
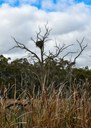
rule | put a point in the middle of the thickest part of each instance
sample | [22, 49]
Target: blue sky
[38, 3]
[85, 1]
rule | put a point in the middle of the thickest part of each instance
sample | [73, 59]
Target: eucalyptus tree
[43, 70]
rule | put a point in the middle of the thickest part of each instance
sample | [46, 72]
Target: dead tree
[71, 64]
[81, 49]
[39, 43]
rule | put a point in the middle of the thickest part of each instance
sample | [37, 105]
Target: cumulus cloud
[22, 23]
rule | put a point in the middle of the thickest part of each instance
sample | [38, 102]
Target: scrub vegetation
[49, 92]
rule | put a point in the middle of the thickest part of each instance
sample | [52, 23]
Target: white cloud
[22, 22]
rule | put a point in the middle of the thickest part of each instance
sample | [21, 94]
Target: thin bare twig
[59, 50]
[79, 53]
[22, 46]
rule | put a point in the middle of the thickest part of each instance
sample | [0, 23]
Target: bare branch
[42, 37]
[81, 49]
[38, 34]
[33, 40]
[46, 35]
[59, 50]
[68, 54]
[22, 46]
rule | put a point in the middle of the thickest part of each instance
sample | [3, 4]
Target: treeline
[22, 75]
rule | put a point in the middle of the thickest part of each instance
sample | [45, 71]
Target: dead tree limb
[41, 39]
[22, 46]
[71, 64]
[59, 50]
[82, 48]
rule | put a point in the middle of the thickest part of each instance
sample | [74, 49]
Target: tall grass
[48, 110]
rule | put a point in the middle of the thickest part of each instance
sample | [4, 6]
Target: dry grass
[47, 111]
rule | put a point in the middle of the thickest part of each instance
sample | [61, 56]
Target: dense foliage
[24, 75]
